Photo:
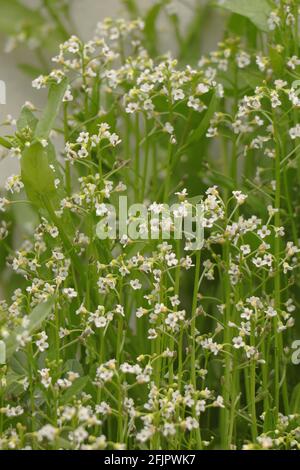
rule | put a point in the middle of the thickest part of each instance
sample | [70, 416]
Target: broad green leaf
[77, 386]
[2, 352]
[14, 15]
[19, 363]
[55, 97]
[37, 175]
[73, 365]
[24, 216]
[35, 320]
[257, 11]
[26, 119]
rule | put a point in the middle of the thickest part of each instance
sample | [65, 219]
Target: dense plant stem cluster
[153, 343]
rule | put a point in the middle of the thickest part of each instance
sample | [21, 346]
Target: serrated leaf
[257, 11]
[35, 320]
[55, 97]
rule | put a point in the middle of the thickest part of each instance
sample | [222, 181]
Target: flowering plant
[153, 342]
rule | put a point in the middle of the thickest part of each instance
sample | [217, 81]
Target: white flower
[131, 108]
[70, 292]
[295, 132]
[243, 59]
[177, 94]
[42, 341]
[202, 88]
[191, 423]
[271, 312]
[48, 432]
[3, 202]
[238, 342]
[273, 21]
[68, 94]
[14, 184]
[100, 322]
[114, 139]
[264, 232]
[168, 128]
[219, 402]
[135, 284]
[45, 377]
[101, 209]
[152, 334]
[196, 104]
[39, 82]
[240, 197]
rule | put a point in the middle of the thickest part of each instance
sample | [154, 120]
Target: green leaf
[37, 176]
[77, 386]
[74, 365]
[204, 124]
[14, 15]
[220, 180]
[131, 7]
[277, 61]
[252, 78]
[190, 46]
[63, 443]
[26, 119]
[257, 11]
[55, 97]
[195, 200]
[19, 363]
[150, 27]
[31, 70]
[269, 421]
[2, 352]
[24, 216]
[35, 320]
[5, 143]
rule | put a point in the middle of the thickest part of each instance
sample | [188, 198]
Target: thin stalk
[193, 335]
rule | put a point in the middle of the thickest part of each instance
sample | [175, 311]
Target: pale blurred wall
[86, 13]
